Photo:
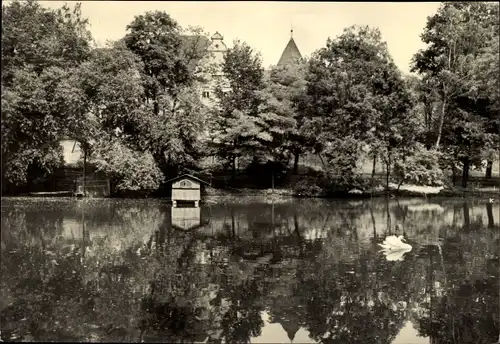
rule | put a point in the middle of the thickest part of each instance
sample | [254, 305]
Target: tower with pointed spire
[291, 54]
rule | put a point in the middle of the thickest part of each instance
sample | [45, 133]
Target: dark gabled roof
[291, 54]
[188, 176]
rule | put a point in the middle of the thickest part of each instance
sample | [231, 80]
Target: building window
[205, 94]
[185, 183]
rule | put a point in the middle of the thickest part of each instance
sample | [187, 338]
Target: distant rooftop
[291, 54]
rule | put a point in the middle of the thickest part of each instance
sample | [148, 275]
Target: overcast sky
[265, 26]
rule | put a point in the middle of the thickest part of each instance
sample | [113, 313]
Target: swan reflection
[394, 248]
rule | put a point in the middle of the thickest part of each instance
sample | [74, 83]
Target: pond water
[249, 270]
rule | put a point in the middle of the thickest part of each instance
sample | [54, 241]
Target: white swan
[394, 243]
[394, 248]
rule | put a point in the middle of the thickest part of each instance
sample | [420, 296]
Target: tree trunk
[387, 175]
[156, 105]
[388, 168]
[327, 171]
[429, 110]
[441, 122]
[465, 172]
[322, 161]
[374, 166]
[296, 163]
[443, 104]
[233, 169]
[272, 180]
[453, 174]
[84, 172]
[489, 169]
[401, 183]
[161, 162]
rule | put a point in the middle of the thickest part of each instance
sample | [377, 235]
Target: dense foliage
[456, 65]
[136, 109]
[39, 47]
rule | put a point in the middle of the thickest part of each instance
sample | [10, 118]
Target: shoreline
[418, 192]
[363, 195]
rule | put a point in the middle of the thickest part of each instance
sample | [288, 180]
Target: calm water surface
[249, 271]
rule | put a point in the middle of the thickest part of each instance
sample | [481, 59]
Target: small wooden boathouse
[186, 188]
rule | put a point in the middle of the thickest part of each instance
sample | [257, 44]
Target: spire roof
[291, 53]
[217, 36]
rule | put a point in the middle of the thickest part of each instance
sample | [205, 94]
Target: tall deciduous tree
[486, 74]
[40, 47]
[455, 36]
[287, 96]
[238, 105]
[358, 99]
[174, 115]
[38, 37]
[106, 94]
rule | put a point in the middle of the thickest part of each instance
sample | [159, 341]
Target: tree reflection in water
[110, 270]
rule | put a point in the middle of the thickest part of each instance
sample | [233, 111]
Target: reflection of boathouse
[185, 218]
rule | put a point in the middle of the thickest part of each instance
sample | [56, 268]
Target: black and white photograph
[250, 172]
